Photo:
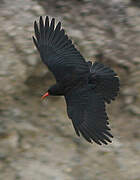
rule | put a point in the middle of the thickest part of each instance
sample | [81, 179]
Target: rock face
[37, 140]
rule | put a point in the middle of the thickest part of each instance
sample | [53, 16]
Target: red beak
[45, 95]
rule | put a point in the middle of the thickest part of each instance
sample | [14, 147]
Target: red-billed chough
[85, 86]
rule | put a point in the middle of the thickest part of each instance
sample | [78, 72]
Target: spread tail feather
[105, 79]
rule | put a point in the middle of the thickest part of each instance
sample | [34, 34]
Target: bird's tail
[105, 80]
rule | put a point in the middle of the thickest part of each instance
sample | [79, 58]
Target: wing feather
[87, 111]
[58, 52]
[37, 34]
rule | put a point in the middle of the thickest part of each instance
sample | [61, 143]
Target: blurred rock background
[37, 140]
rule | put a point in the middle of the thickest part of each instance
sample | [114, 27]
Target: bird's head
[54, 90]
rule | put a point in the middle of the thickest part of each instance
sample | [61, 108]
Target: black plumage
[85, 86]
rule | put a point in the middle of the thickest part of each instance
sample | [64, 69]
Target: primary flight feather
[85, 86]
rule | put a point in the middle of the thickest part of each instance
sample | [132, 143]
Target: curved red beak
[45, 95]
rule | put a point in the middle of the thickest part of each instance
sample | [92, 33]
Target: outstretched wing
[87, 111]
[105, 80]
[58, 52]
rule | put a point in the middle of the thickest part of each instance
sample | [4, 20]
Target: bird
[86, 86]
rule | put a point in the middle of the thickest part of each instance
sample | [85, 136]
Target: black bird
[85, 86]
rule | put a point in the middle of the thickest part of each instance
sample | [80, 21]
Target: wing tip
[99, 138]
[35, 26]
[35, 41]
[40, 18]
